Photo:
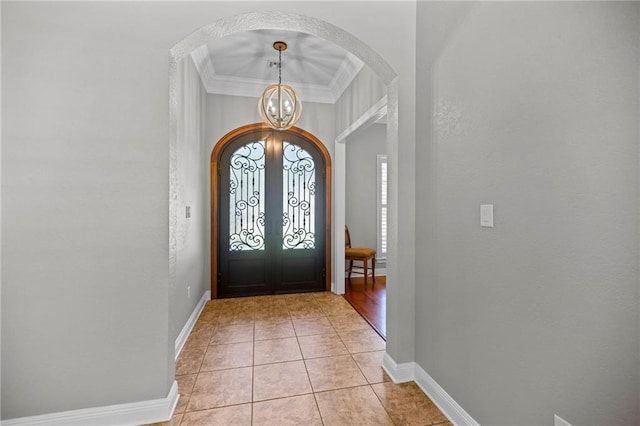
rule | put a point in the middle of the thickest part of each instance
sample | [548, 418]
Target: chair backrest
[347, 237]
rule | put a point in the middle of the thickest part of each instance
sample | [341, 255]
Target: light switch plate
[559, 421]
[188, 212]
[486, 215]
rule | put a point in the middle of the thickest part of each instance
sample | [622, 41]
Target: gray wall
[532, 107]
[85, 143]
[362, 149]
[191, 282]
[85, 241]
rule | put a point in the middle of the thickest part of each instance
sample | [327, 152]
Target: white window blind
[382, 207]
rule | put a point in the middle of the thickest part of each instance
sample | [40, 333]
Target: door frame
[215, 165]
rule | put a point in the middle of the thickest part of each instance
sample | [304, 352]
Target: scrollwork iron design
[246, 197]
[299, 188]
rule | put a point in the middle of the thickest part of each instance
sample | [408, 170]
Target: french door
[271, 196]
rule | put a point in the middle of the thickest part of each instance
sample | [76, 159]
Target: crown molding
[348, 70]
[203, 64]
[239, 86]
[235, 86]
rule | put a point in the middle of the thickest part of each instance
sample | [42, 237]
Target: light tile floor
[299, 359]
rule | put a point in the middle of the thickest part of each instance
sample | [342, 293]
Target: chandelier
[279, 105]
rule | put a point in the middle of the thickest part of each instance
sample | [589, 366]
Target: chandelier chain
[280, 67]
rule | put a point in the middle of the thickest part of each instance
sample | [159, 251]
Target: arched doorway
[270, 213]
[398, 339]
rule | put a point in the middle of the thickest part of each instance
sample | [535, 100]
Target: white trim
[410, 371]
[381, 163]
[186, 330]
[559, 421]
[449, 407]
[399, 373]
[0, 205]
[340, 196]
[136, 413]
[202, 61]
[239, 86]
[349, 69]
[373, 114]
[252, 87]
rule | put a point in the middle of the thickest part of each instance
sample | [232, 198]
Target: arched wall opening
[331, 33]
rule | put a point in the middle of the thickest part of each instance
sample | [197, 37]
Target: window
[298, 198]
[247, 197]
[382, 207]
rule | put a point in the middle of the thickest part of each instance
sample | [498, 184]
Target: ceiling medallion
[279, 105]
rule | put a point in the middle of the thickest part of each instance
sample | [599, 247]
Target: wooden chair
[361, 254]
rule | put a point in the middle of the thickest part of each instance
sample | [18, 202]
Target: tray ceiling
[239, 65]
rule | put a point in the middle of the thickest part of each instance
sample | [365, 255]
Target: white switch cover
[486, 215]
[559, 421]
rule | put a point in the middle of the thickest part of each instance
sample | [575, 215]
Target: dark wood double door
[271, 212]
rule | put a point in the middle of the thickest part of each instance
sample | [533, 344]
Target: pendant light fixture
[279, 106]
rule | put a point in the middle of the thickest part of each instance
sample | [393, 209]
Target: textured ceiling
[238, 65]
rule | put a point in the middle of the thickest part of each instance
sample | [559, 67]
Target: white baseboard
[186, 330]
[157, 410]
[410, 371]
[137, 413]
[449, 407]
[399, 373]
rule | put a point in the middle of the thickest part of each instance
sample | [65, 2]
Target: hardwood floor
[369, 302]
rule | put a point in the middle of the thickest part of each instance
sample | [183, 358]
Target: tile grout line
[358, 366]
[253, 365]
[369, 384]
[313, 392]
[383, 407]
[290, 318]
[315, 398]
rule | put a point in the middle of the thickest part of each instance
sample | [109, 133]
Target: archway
[336, 35]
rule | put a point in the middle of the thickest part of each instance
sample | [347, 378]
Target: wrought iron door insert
[272, 213]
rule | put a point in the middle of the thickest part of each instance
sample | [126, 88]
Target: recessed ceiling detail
[239, 65]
